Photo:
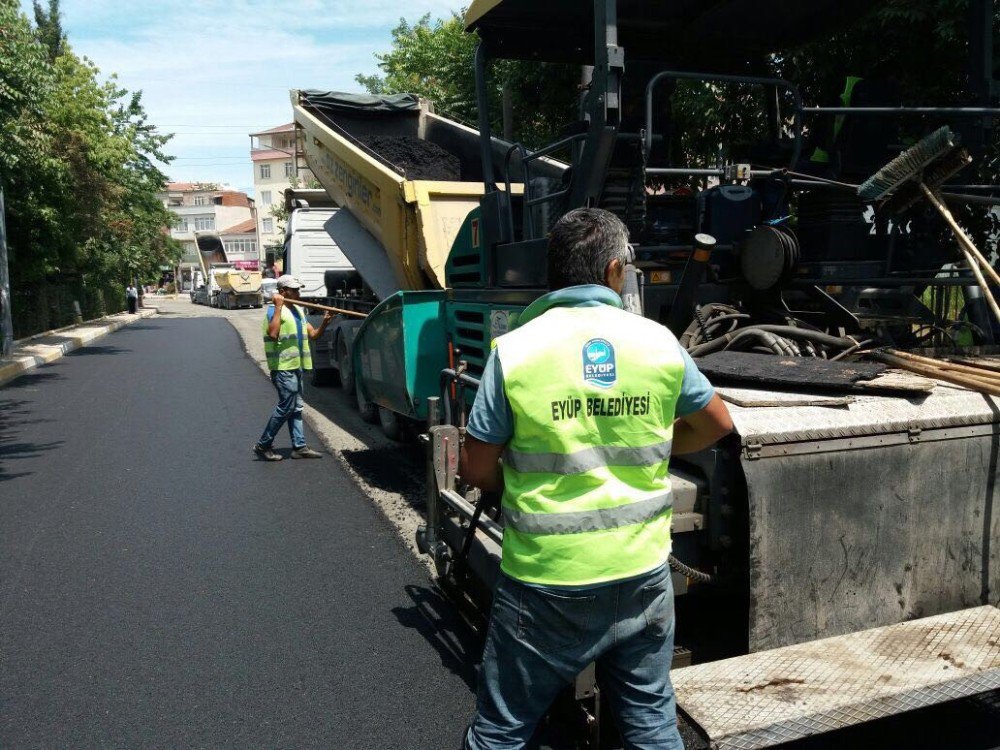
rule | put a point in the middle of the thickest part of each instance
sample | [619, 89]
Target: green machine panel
[400, 350]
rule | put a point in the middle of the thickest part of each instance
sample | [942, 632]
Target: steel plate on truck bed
[770, 697]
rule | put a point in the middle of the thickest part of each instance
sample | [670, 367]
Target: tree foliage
[920, 45]
[48, 26]
[434, 59]
[77, 166]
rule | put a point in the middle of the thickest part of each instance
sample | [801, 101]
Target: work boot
[265, 452]
[305, 452]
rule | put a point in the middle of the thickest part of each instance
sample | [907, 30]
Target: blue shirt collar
[585, 295]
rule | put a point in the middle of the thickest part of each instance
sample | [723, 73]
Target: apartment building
[200, 206]
[275, 168]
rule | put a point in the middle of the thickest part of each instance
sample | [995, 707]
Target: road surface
[159, 587]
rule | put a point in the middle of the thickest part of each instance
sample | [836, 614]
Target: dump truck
[403, 182]
[225, 285]
[239, 288]
[853, 510]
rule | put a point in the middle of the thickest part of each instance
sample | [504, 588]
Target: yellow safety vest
[586, 484]
[290, 351]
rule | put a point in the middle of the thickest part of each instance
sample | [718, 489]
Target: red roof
[266, 154]
[233, 198]
[244, 227]
[287, 128]
[181, 187]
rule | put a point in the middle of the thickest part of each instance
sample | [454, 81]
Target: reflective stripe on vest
[588, 520]
[288, 352]
[586, 481]
[587, 459]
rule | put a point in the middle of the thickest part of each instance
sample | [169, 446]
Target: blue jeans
[289, 409]
[540, 638]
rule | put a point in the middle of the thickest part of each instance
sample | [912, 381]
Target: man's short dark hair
[582, 244]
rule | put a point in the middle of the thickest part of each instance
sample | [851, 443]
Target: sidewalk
[47, 347]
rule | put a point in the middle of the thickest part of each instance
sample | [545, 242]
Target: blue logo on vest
[599, 363]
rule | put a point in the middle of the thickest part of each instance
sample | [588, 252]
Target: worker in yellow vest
[584, 403]
[286, 346]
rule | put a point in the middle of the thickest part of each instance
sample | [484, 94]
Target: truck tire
[368, 410]
[391, 424]
[344, 365]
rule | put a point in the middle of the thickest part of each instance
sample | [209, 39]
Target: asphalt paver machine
[837, 559]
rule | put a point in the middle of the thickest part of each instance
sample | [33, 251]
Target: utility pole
[6, 324]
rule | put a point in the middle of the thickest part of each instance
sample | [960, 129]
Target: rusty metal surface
[763, 699]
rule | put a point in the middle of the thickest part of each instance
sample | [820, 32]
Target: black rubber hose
[817, 337]
[701, 324]
[729, 339]
[689, 572]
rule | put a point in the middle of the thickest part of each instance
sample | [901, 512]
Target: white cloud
[231, 63]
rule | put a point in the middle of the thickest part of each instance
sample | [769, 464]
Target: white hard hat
[289, 282]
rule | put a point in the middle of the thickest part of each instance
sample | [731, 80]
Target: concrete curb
[47, 347]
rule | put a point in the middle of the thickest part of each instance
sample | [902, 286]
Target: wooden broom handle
[324, 308]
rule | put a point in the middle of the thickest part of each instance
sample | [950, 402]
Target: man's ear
[614, 275]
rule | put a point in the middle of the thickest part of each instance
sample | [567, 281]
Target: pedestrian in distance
[585, 403]
[132, 299]
[286, 346]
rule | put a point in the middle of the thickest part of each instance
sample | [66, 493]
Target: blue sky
[213, 71]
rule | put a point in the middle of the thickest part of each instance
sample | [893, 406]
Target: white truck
[328, 276]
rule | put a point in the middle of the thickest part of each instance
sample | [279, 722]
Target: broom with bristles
[921, 169]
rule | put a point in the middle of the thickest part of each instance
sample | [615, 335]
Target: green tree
[77, 163]
[48, 25]
[434, 59]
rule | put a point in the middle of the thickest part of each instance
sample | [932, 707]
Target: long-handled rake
[920, 171]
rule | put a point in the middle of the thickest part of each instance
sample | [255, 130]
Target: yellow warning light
[660, 277]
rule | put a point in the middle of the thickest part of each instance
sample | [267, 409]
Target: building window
[289, 169]
[204, 223]
[265, 197]
[241, 246]
[180, 224]
[199, 200]
[265, 171]
[267, 226]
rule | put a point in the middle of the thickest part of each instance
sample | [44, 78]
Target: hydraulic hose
[725, 341]
[689, 572]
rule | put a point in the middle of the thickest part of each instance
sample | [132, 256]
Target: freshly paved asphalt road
[160, 588]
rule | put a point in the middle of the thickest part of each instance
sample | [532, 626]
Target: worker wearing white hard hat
[286, 345]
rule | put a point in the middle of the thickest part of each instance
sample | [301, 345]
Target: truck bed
[374, 155]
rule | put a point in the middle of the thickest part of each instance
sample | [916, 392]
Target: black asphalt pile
[420, 160]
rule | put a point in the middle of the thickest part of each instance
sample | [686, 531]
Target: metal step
[770, 697]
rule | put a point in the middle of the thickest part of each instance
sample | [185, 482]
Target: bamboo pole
[991, 388]
[324, 308]
[972, 255]
[975, 372]
[978, 364]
